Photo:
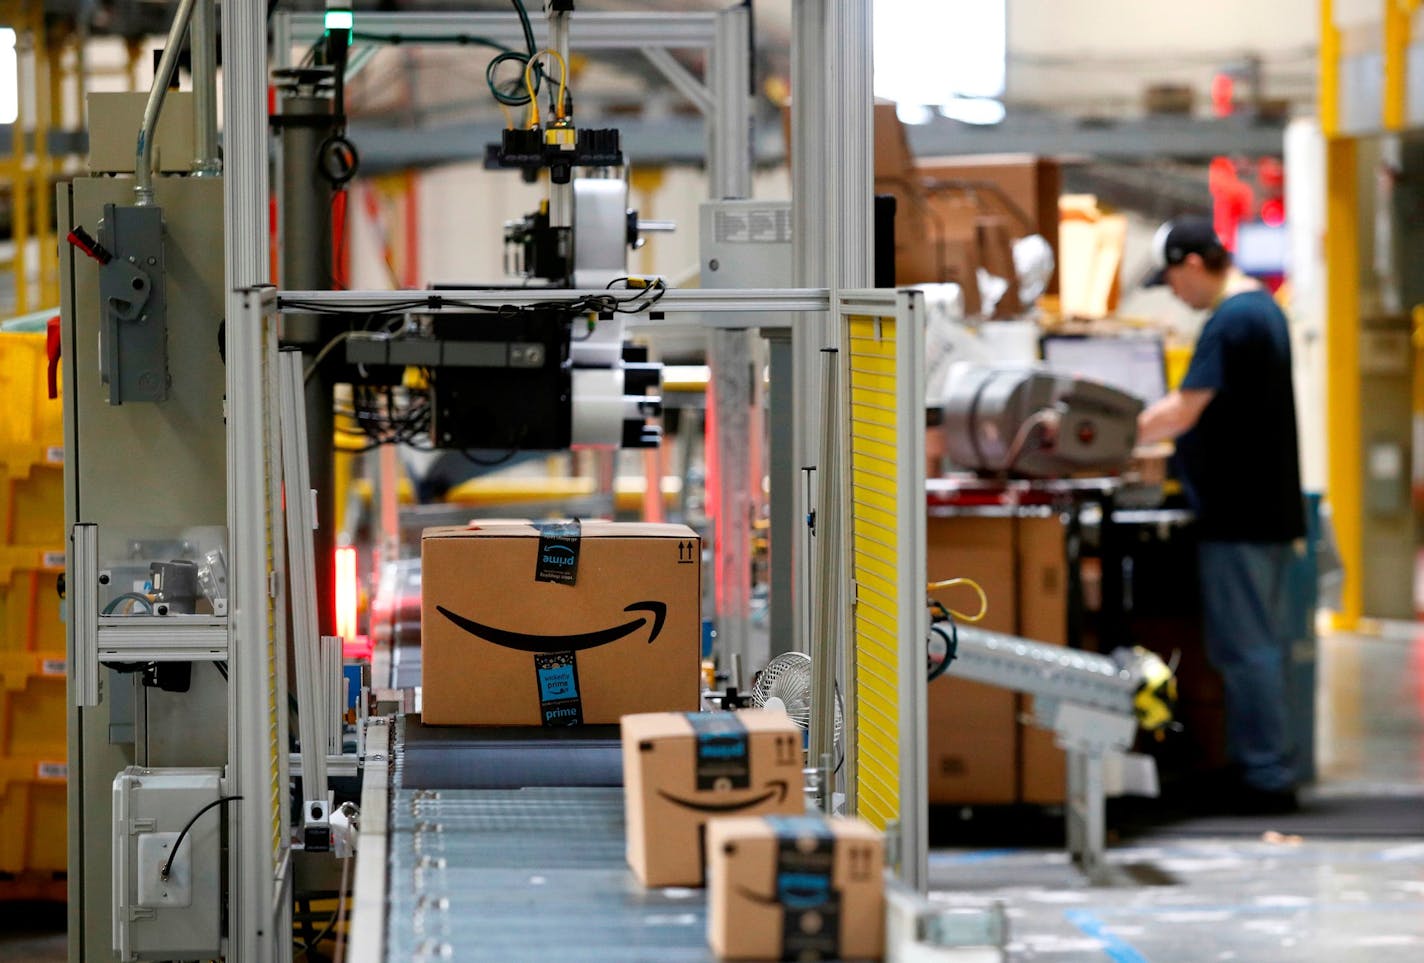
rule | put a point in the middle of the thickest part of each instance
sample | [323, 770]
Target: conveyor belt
[533, 874]
[522, 874]
[468, 757]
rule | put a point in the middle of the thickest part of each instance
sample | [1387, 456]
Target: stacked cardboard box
[957, 215]
[979, 751]
[1019, 192]
[716, 798]
[557, 624]
[798, 888]
[682, 769]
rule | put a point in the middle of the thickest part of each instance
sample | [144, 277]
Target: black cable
[316, 941]
[519, 8]
[516, 96]
[460, 39]
[951, 641]
[487, 463]
[641, 301]
[168, 866]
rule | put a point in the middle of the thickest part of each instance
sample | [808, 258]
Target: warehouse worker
[1234, 422]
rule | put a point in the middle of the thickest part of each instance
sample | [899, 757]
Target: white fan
[785, 685]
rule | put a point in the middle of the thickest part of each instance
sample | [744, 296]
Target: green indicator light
[340, 20]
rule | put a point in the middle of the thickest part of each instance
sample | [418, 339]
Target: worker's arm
[1173, 415]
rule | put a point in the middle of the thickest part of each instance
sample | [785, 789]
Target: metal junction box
[177, 916]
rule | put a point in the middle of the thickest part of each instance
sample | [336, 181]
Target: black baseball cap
[1178, 238]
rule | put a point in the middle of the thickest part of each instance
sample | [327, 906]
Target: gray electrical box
[133, 358]
[178, 914]
[745, 244]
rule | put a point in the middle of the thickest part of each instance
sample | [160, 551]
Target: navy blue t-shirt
[1240, 464]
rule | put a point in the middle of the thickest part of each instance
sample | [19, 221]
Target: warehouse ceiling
[441, 91]
[418, 105]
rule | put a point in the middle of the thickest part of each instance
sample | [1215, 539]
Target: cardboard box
[1043, 579]
[795, 888]
[682, 769]
[1043, 617]
[559, 624]
[973, 740]
[981, 753]
[1021, 187]
[892, 156]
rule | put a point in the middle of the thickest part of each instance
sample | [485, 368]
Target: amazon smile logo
[526, 642]
[778, 790]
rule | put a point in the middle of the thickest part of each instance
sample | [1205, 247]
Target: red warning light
[1223, 94]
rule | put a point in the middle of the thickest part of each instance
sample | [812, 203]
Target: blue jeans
[1245, 606]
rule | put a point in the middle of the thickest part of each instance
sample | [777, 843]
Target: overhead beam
[587, 31]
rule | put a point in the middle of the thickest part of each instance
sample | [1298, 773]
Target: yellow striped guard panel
[875, 543]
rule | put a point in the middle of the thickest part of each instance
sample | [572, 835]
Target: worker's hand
[1156, 451]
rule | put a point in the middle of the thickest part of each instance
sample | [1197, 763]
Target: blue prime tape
[723, 752]
[805, 873]
[558, 552]
[557, 677]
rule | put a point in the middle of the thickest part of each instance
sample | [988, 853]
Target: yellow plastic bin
[31, 423]
[30, 619]
[32, 506]
[32, 809]
[32, 715]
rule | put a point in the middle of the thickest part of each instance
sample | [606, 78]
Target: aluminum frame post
[301, 590]
[729, 176]
[783, 471]
[829, 616]
[914, 707]
[256, 905]
[809, 243]
[850, 74]
[259, 842]
[203, 42]
[591, 30]
[84, 588]
[730, 355]
[729, 154]
[832, 215]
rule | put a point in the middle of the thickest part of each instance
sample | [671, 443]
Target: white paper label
[51, 770]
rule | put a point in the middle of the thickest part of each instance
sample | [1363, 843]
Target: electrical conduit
[143, 163]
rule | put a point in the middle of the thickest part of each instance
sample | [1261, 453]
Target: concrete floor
[1173, 898]
[1263, 898]
[32, 933]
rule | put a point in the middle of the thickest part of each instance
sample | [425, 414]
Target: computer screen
[1262, 250]
[1133, 364]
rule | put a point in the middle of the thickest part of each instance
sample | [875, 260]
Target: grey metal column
[851, 212]
[203, 41]
[307, 263]
[730, 351]
[809, 244]
[831, 211]
[784, 471]
[251, 886]
[729, 161]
